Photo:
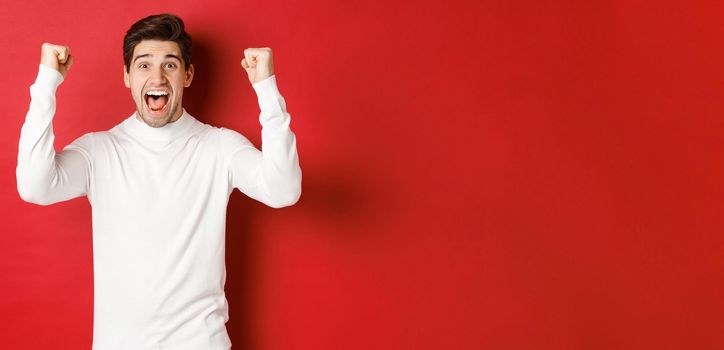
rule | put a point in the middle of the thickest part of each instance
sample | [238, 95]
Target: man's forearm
[43, 177]
[279, 147]
[272, 176]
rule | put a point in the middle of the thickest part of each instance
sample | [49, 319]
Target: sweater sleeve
[272, 175]
[44, 177]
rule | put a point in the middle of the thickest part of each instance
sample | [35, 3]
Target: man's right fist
[57, 57]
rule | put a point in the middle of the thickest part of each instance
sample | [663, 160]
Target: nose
[158, 76]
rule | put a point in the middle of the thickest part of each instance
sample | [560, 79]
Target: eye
[143, 66]
[170, 65]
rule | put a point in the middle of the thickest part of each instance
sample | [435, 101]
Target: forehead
[156, 48]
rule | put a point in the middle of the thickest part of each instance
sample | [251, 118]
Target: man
[158, 183]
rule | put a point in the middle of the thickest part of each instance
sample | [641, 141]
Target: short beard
[154, 122]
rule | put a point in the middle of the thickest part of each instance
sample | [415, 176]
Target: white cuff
[48, 78]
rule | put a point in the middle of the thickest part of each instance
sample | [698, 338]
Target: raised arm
[272, 176]
[44, 177]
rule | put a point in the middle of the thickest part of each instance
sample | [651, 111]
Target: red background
[477, 174]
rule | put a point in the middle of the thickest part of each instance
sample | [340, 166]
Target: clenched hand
[57, 57]
[258, 63]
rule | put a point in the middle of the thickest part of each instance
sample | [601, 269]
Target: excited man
[158, 184]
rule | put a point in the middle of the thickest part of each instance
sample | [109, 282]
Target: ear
[126, 78]
[189, 76]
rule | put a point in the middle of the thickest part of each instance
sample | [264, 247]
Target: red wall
[477, 174]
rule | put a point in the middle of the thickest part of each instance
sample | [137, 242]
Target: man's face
[157, 79]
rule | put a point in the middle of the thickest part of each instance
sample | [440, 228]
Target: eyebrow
[149, 55]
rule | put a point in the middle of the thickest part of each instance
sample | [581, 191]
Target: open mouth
[157, 100]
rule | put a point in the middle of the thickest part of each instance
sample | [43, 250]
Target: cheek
[137, 87]
[137, 93]
[136, 84]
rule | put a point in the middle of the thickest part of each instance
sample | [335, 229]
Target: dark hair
[165, 27]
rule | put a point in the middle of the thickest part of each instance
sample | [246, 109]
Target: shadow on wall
[241, 263]
[202, 87]
[334, 199]
[333, 195]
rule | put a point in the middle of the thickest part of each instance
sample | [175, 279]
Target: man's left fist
[258, 64]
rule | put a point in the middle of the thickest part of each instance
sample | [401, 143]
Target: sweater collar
[168, 132]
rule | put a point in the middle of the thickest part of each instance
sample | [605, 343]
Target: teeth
[157, 93]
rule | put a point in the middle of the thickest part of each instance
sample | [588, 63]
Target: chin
[154, 119]
[155, 122]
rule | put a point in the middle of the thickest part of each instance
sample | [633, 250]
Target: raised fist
[258, 63]
[57, 57]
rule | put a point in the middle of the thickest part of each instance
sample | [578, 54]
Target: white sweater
[158, 198]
